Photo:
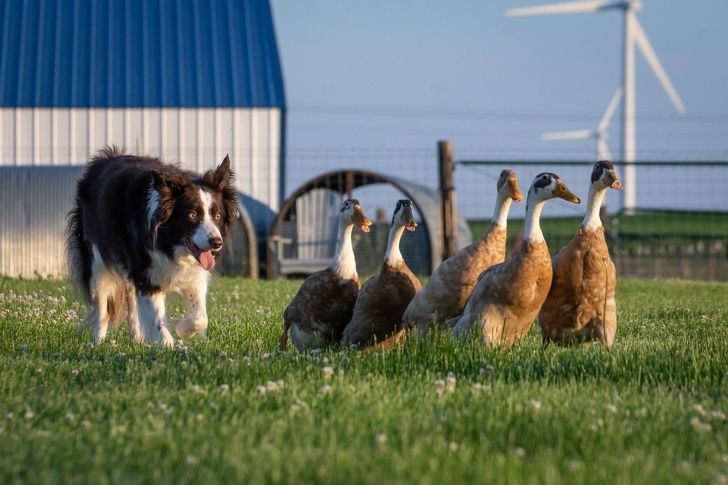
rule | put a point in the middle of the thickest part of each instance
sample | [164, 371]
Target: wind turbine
[600, 133]
[632, 34]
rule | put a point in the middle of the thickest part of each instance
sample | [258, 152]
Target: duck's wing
[325, 301]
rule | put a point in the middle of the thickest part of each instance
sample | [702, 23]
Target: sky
[375, 84]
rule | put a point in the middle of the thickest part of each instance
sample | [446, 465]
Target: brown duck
[383, 298]
[446, 292]
[507, 297]
[323, 305]
[580, 306]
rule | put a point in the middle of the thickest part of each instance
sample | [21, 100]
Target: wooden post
[447, 199]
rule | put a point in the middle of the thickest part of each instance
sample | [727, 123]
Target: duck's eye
[192, 216]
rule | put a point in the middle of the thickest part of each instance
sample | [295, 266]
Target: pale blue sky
[378, 82]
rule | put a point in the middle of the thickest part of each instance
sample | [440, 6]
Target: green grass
[651, 411]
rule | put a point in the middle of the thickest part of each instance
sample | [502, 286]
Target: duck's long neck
[593, 206]
[500, 214]
[532, 231]
[344, 263]
[393, 255]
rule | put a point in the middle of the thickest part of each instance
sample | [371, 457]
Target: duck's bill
[361, 220]
[617, 185]
[515, 191]
[411, 226]
[566, 194]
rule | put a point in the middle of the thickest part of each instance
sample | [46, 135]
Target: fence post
[447, 198]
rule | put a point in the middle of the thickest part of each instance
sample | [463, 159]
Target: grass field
[651, 411]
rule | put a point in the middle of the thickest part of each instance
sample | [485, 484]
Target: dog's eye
[218, 215]
[193, 216]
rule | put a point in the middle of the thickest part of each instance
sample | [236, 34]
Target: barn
[183, 80]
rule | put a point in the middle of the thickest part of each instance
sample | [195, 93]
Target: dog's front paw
[188, 327]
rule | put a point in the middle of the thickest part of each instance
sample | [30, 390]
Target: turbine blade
[584, 6]
[567, 135]
[603, 152]
[611, 108]
[649, 53]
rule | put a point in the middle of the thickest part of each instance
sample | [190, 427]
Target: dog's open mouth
[205, 257]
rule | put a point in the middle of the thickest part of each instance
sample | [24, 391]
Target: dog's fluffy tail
[78, 254]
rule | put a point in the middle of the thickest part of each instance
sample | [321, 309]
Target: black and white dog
[141, 229]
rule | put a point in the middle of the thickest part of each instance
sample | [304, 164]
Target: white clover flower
[611, 408]
[327, 389]
[261, 390]
[477, 388]
[192, 460]
[381, 440]
[70, 417]
[719, 415]
[453, 446]
[271, 386]
[535, 405]
[224, 388]
[86, 423]
[439, 386]
[487, 370]
[450, 382]
[699, 426]
[29, 414]
[698, 408]
[328, 372]
[280, 384]
[519, 452]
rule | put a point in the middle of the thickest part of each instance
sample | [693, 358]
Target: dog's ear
[222, 176]
[160, 204]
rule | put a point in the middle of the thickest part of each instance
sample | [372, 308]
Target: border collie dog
[141, 229]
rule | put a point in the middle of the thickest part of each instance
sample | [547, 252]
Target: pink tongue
[207, 260]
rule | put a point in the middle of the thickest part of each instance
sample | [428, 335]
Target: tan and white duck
[448, 288]
[323, 305]
[580, 306]
[384, 297]
[507, 297]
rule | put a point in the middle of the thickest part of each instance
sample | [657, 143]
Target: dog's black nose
[215, 242]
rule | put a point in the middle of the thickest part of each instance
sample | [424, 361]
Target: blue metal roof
[139, 53]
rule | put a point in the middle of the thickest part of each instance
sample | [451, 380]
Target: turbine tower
[600, 133]
[632, 34]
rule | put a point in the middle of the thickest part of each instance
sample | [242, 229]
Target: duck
[581, 304]
[384, 297]
[508, 296]
[324, 303]
[448, 288]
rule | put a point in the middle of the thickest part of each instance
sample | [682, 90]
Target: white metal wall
[198, 138]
